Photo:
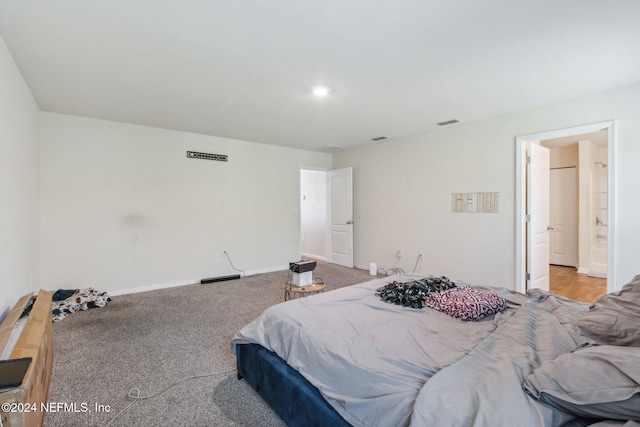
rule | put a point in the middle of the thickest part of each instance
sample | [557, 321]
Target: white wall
[402, 190]
[586, 158]
[19, 191]
[123, 208]
[313, 209]
[564, 157]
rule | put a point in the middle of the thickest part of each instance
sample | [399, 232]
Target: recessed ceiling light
[321, 91]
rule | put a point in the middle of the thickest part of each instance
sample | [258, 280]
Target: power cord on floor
[233, 266]
[417, 261]
[397, 270]
[391, 271]
[137, 396]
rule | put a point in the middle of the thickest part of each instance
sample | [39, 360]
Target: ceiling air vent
[379, 138]
[448, 122]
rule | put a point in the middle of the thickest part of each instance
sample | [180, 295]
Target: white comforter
[380, 364]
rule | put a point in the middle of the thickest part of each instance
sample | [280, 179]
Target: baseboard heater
[220, 279]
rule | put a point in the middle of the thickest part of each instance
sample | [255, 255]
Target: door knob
[549, 228]
[349, 222]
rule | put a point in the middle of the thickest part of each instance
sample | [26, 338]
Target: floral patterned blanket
[66, 302]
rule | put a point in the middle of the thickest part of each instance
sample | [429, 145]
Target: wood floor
[567, 282]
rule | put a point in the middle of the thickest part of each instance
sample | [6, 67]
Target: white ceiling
[241, 69]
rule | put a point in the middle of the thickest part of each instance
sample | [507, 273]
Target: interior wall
[124, 209]
[19, 190]
[563, 157]
[586, 155]
[313, 211]
[403, 186]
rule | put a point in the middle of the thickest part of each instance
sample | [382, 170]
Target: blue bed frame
[291, 396]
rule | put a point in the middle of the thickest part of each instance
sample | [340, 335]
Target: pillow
[466, 303]
[600, 382]
[615, 318]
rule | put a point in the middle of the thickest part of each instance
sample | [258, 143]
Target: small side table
[292, 291]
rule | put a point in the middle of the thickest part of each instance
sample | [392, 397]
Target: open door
[537, 217]
[340, 233]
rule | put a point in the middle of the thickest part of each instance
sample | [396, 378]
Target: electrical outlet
[399, 254]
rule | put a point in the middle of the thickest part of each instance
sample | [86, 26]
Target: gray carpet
[151, 340]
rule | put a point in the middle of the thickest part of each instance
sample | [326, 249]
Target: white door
[340, 234]
[563, 218]
[538, 215]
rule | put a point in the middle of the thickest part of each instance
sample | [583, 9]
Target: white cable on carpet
[233, 266]
[391, 271]
[417, 261]
[398, 270]
[137, 396]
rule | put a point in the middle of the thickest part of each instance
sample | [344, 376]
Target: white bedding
[380, 364]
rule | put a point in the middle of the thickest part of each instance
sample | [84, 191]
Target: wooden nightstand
[292, 291]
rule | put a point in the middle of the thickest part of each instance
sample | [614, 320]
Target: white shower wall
[599, 214]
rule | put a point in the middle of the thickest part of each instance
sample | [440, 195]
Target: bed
[346, 357]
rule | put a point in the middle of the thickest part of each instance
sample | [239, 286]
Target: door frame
[521, 199]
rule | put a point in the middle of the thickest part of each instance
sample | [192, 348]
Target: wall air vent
[379, 138]
[448, 122]
[207, 156]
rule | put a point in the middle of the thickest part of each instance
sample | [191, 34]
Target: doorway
[563, 208]
[576, 269]
[326, 215]
[313, 214]
[592, 198]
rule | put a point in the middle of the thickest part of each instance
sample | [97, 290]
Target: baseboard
[194, 282]
[150, 288]
[267, 270]
[583, 270]
[361, 267]
[318, 257]
[197, 281]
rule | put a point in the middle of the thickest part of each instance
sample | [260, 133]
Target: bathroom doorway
[578, 215]
[580, 158]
